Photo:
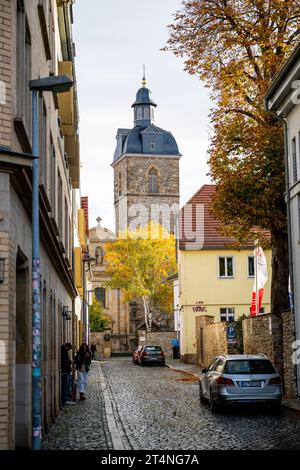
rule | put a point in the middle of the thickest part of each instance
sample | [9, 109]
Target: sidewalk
[292, 404]
[176, 364]
[88, 425]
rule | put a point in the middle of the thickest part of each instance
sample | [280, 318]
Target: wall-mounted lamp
[2, 267]
[65, 311]
[69, 315]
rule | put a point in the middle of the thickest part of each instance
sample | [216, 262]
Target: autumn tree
[98, 320]
[139, 263]
[236, 47]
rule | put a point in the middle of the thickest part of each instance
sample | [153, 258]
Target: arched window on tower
[152, 181]
[140, 113]
[100, 295]
[146, 113]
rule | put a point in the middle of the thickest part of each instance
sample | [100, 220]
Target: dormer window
[152, 181]
[152, 147]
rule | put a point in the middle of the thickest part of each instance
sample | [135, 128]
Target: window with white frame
[251, 266]
[226, 267]
[227, 314]
[294, 160]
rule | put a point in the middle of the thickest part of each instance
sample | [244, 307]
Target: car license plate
[253, 383]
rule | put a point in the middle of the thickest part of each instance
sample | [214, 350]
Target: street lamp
[54, 84]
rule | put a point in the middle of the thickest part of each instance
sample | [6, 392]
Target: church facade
[146, 183]
[122, 336]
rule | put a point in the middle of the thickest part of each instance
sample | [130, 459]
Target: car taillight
[161, 353]
[145, 354]
[275, 381]
[224, 381]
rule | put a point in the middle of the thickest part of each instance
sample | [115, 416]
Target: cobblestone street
[159, 409]
[84, 425]
[156, 408]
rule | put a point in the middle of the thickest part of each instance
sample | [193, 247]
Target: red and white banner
[260, 279]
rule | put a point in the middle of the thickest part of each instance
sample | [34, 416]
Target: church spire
[144, 105]
[144, 83]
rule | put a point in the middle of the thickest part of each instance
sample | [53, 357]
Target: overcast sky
[114, 38]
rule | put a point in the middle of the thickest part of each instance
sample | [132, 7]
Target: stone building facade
[122, 334]
[146, 182]
[35, 41]
[146, 170]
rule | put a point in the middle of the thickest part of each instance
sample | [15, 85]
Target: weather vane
[144, 76]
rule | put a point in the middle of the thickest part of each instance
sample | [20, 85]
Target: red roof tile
[199, 228]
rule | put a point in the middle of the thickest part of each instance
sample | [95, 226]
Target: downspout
[289, 219]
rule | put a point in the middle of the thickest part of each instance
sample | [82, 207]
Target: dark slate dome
[145, 138]
[143, 96]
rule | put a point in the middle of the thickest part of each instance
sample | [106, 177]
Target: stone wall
[211, 339]
[158, 338]
[263, 334]
[103, 347]
[288, 336]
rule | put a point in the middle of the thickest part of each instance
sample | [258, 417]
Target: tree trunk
[280, 272]
[146, 312]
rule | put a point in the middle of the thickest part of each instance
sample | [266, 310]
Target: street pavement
[157, 408]
[160, 409]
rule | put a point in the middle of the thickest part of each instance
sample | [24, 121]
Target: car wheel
[163, 364]
[142, 364]
[202, 398]
[212, 404]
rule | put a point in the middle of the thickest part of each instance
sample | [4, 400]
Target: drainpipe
[289, 219]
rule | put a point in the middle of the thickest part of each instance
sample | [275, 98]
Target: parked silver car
[240, 379]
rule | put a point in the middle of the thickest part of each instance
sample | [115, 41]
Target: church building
[146, 170]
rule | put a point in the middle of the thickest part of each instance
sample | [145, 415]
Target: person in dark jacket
[83, 360]
[66, 369]
[93, 351]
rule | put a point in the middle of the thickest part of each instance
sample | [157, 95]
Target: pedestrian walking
[66, 369]
[83, 361]
[93, 351]
[175, 346]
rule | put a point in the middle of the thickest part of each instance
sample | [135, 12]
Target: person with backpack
[83, 361]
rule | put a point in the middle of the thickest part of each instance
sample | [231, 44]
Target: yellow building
[214, 278]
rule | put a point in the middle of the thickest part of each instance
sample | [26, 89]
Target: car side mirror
[204, 370]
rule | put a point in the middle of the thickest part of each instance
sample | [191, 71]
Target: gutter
[288, 202]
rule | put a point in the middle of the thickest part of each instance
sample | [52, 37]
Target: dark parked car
[151, 355]
[135, 354]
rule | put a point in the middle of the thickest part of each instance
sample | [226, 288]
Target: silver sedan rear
[240, 379]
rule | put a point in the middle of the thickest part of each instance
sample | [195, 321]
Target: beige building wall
[57, 284]
[199, 281]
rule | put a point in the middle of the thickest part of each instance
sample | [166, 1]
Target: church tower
[146, 170]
